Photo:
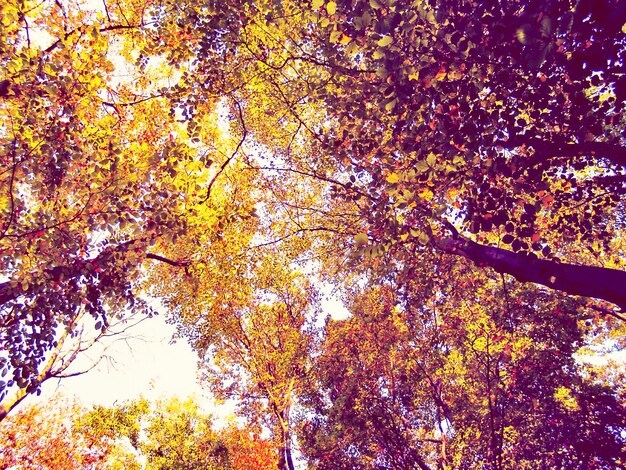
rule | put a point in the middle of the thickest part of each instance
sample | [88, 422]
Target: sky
[147, 364]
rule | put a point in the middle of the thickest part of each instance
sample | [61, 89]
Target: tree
[448, 124]
[92, 194]
[441, 379]
[254, 344]
[259, 147]
[37, 438]
[176, 434]
[166, 434]
[364, 416]
[73, 341]
[503, 118]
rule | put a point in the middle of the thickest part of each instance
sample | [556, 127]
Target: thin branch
[11, 197]
[229, 159]
[346, 186]
[295, 232]
[55, 225]
[56, 43]
[606, 311]
[179, 264]
[106, 10]
[132, 103]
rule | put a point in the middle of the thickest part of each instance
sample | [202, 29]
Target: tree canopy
[454, 170]
[167, 434]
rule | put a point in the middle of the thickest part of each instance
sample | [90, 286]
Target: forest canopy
[454, 170]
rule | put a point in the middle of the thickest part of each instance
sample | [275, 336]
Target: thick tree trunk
[589, 281]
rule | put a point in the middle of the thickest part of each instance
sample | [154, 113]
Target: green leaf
[366, 19]
[361, 239]
[431, 159]
[422, 237]
[334, 36]
[421, 166]
[352, 48]
[546, 25]
[385, 41]
[389, 106]
[378, 54]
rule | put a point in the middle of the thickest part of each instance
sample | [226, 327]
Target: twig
[229, 159]
[606, 311]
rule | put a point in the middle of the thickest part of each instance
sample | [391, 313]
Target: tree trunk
[287, 448]
[285, 462]
[589, 281]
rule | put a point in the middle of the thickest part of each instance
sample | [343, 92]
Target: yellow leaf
[345, 39]
[392, 178]
[415, 75]
[316, 4]
[426, 194]
[455, 75]
[331, 8]
[385, 41]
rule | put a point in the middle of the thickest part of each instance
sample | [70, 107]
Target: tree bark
[589, 281]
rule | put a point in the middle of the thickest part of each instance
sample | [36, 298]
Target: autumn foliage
[452, 171]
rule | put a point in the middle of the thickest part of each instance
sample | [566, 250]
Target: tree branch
[229, 159]
[11, 290]
[178, 264]
[589, 281]
[55, 44]
[546, 149]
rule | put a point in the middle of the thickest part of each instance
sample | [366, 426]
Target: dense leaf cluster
[428, 159]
